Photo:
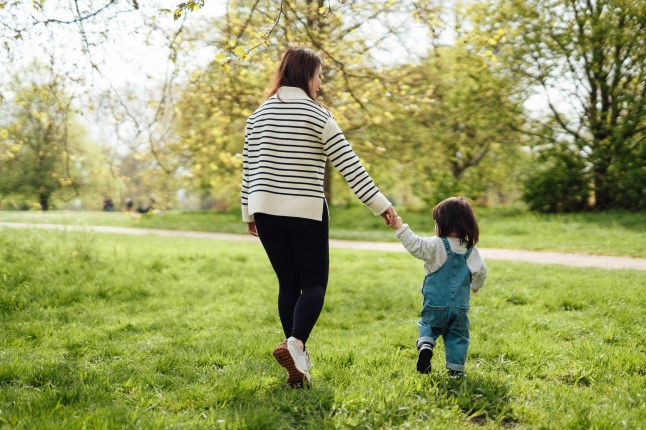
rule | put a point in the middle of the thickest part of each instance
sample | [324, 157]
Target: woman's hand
[390, 216]
[251, 228]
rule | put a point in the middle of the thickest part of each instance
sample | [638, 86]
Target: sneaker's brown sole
[283, 357]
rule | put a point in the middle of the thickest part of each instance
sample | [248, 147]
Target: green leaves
[590, 54]
[188, 6]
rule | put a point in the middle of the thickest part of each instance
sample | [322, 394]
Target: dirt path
[543, 257]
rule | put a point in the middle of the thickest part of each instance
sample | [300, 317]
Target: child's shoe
[455, 374]
[424, 357]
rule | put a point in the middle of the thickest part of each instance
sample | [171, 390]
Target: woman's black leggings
[298, 251]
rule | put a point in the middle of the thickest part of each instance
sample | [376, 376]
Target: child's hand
[389, 216]
[397, 224]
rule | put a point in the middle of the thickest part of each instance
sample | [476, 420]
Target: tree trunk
[43, 197]
[318, 24]
[602, 191]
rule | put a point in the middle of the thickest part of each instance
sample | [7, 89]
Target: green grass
[110, 331]
[605, 233]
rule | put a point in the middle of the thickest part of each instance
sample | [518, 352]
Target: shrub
[560, 184]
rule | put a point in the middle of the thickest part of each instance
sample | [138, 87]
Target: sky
[134, 62]
[130, 60]
[125, 57]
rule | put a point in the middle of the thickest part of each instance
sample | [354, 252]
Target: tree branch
[79, 18]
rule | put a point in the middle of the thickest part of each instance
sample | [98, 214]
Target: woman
[287, 141]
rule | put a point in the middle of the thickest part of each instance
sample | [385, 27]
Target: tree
[444, 125]
[75, 38]
[216, 103]
[450, 122]
[38, 156]
[589, 58]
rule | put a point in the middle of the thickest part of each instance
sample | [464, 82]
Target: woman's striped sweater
[286, 143]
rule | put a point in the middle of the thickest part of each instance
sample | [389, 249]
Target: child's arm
[420, 247]
[478, 278]
[397, 224]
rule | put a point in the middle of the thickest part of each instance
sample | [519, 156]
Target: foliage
[211, 124]
[452, 122]
[559, 183]
[141, 180]
[447, 124]
[141, 332]
[39, 155]
[590, 60]
[126, 95]
[218, 99]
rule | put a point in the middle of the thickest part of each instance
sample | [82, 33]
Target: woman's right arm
[343, 158]
[244, 193]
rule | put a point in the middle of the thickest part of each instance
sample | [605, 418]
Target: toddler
[454, 267]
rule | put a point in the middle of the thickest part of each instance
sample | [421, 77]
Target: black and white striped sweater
[286, 143]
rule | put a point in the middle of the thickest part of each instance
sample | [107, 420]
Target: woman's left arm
[343, 158]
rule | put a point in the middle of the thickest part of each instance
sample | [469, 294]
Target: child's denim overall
[446, 305]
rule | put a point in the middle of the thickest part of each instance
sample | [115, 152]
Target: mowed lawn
[111, 331]
[602, 233]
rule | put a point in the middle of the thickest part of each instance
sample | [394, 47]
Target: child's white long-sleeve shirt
[431, 250]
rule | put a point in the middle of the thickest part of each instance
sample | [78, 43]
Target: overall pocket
[462, 320]
[435, 316]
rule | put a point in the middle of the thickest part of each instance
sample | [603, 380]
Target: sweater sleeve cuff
[245, 215]
[379, 204]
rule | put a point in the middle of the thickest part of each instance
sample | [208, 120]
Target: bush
[559, 185]
[626, 178]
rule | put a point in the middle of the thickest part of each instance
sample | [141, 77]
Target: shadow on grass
[279, 406]
[481, 398]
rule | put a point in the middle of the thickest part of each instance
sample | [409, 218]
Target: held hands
[391, 218]
[251, 228]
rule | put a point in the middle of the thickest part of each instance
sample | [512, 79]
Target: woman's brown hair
[296, 69]
[455, 216]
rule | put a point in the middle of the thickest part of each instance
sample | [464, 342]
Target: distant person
[287, 141]
[129, 204]
[145, 209]
[108, 204]
[454, 268]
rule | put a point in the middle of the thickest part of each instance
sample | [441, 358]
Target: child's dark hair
[455, 215]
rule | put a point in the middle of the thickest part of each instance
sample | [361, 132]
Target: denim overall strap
[466, 254]
[445, 241]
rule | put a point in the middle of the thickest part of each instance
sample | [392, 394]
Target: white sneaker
[295, 361]
[308, 360]
[300, 357]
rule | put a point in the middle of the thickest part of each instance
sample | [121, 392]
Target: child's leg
[425, 347]
[433, 322]
[456, 341]
[431, 326]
